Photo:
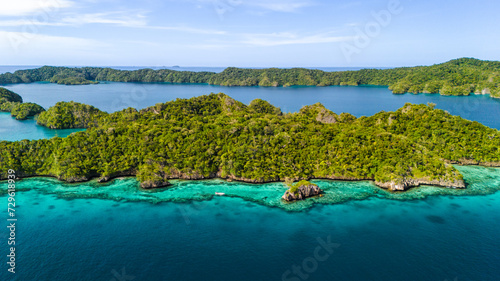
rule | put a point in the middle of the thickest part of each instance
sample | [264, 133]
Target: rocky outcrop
[74, 179]
[301, 193]
[154, 184]
[485, 91]
[326, 116]
[320, 113]
[230, 105]
[127, 173]
[406, 184]
[471, 162]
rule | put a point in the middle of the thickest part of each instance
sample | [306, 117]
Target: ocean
[355, 232]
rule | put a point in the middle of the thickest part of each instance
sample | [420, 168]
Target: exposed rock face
[409, 183]
[320, 113]
[231, 105]
[470, 162]
[74, 179]
[486, 91]
[326, 116]
[154, 184]
[303, 192]
[128, 173]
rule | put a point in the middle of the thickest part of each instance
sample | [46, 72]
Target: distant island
[215, 136]
[459, 77]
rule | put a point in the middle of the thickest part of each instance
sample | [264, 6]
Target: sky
[247, 33]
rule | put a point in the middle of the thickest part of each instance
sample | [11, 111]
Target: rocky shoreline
[469, 162]
[410, 183]
[404, 185]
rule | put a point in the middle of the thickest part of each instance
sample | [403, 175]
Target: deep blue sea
[357, 231]
[65, 233]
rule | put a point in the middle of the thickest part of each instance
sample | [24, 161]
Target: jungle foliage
[456, 77]
[13, 103]
[216, 136]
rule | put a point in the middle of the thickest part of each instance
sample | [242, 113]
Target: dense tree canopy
[24, 110]
[9, 96]
[69, 115]
[457, 77]
[13, 103]
[216, 136]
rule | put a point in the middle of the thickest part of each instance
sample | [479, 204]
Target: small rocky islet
[301, 190]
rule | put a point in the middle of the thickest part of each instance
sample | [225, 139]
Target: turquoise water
[359, 101]
[481, 180]
[12, 129]
[98, 232]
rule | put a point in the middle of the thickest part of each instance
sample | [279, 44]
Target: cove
[14, 130]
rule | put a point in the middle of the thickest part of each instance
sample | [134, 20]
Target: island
[70, 115]
[301, 190]
[13, 103]
[215, 136]
[459, 77]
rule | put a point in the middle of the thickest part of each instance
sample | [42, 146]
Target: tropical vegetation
[13, 103]
[456, 77]
[217, 136]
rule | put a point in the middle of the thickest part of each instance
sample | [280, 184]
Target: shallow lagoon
[480, 180]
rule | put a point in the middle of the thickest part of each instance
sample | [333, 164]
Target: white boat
[220, 193]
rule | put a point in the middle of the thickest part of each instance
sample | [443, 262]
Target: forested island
[13, 103]
[459, 77]
[216, 136]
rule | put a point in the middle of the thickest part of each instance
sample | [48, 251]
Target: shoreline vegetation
[215, 136]
[481, 181]
[459, 77]
[13, 103]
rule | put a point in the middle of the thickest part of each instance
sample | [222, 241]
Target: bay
[13, 130]
[359, 101]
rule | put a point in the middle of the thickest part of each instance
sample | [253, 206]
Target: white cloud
[281, 6]
[188, 29]
[210, 46]
[37, 44]
[25, 7]
[287, 38]
[125, 19]
[286, 6]
[115, 18]
[112, 18]
[25, 22]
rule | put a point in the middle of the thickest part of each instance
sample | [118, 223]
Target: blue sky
[257, 33]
